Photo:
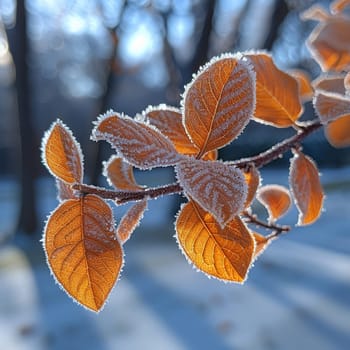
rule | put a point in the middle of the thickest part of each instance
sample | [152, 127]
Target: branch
[259, 161]
[276, 229]
[277, 150]
[128, 196]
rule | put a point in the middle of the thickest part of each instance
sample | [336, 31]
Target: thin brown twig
[259, 161]
[276, 229]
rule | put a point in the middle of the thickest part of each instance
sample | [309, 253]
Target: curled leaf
[329, 44]
[141, 145]
[277, 93]
[306, 188]
[61, 154]
[217, 187]
[252, 178]
[131, 220]
[276, 200]
[338, 132]
[330, 106]
[330, 83]
[82, 250]
[315, 13]
[120, 174]
[219, 102]
[168, 120]
[306, 90]
[224, 253]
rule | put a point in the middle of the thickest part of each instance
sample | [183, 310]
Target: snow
[296, 296]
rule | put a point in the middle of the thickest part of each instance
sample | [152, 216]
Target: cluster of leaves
[83, 244]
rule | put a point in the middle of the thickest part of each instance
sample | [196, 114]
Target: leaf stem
[276, 229]
[259, 161]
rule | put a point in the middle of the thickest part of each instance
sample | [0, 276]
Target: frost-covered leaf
[64, 191]
[277, 93]
[131, 220]
[276, 199]
[219, 102]
[61, 153]
[315, 13]
[218, 188]
[306, 188]
[261, 244]
[82, 250]
[306, 90]
[141, 145]
[224, 253]
[329, 44]
[338, 132]
[332, 83]
[252, 178]
[168, 120]
[120, 174]
[331, 106]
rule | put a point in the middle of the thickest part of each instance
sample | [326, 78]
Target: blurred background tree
[76, 59]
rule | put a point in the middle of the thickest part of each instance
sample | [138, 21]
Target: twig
[276, 229]
[277, 150]
[259, 161]
[127, 196]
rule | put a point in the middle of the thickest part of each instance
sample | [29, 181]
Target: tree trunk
[18, 42]
[279, 14]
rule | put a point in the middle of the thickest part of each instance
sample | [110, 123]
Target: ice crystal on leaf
[217, 187]
[219, 102]
[139, 144]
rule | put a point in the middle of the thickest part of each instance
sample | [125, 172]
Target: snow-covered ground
[297, 296]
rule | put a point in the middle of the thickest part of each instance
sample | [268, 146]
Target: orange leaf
[219, 102]
[217, 187]
[306, 188]
[131, 220]
[224, 253]
[252, 178]
[330, 83]
[315, 13]
[211, 155]
[141, 145]
[329, 44]
[276, 200]
[82, 250]
[261, 244]
[61, 153]
[331, 106]
[338, 132]
[168, 121]
[120, 174]
[64, 191]
[338, 6]
[305, 88]
[277, 93]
